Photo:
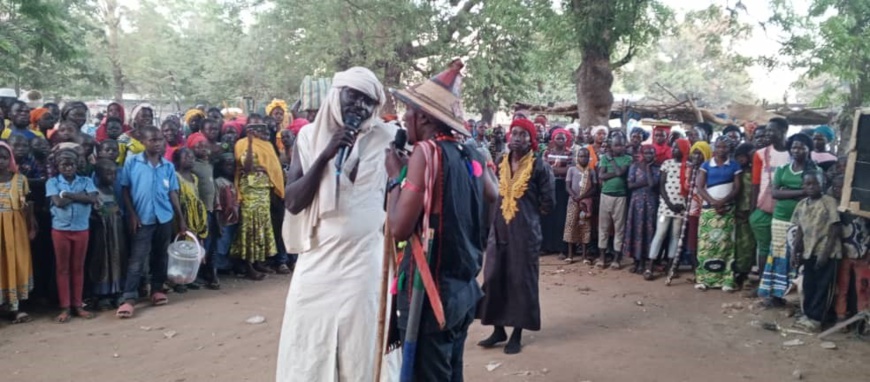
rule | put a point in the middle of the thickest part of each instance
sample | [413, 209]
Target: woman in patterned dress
[581, 183]
[640, 227]
[258, 173]
[718, 185]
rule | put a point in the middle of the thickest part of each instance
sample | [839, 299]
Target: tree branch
[453, 25]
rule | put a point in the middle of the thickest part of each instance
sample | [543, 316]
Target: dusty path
[597, 326]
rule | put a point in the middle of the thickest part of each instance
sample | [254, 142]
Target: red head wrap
[195, 138]
[541, 119]
[297, 125]
[569, 138]
[102, 134]
[235, 124]
[529, 127]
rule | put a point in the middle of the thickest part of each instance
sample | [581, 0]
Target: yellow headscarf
[191, 114]
[283, 105]
[704, 148]
[264, 156]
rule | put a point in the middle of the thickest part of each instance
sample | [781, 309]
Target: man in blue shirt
[150, 191]
[71, 199]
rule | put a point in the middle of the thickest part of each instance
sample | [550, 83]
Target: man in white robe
[330, 320]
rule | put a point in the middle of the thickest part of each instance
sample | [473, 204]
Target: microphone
[352, 122]
[401, 139]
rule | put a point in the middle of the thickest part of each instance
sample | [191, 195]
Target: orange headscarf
[264, 156]
[35, 116]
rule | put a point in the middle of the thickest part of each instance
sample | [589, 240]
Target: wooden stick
[863, 315]
[387, 265]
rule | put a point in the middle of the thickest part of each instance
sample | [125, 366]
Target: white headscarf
[313, 139]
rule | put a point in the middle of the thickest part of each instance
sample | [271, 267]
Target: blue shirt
[149, 188]
[73, 217]
[720, 179]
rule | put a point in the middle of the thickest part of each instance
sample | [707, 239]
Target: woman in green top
[787, 191]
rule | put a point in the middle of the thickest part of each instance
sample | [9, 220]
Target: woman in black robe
[510, 281]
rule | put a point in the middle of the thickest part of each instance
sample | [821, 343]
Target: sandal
[82, 313]
[569, 260]
[701, 287]
[158, 299]
[256, 276]
[125, 310]
[282, 269]
[63, 317]
[647, 275]
[599, 264]
[587, 262]
[20, 318]
[179, 288]
[615, 265]
[261, 268]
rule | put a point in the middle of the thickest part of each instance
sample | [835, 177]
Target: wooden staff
[684, 228]
[387, 266]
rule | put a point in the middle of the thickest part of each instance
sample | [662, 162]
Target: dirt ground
[597, 326]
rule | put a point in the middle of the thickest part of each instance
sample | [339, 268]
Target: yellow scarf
[195, 214]
[511, 187]
[264, 156]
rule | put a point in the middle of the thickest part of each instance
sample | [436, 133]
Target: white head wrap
[300, 229]
[596, 129]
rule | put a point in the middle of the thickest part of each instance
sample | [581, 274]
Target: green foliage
[696, 58]
[604, 28]
[832, 40]
[43, 45]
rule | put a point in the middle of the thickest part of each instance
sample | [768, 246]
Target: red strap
[428, 281]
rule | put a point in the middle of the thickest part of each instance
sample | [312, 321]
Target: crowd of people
[731, 205]
[88, 211]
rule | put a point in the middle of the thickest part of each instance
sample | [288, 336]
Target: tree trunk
[488, 109]
[392, 79]
[593, 79]
[113, 22]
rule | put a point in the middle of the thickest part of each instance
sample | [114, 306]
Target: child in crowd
[582, 184]
[672, 205]
[108, 244]
[612, 171]
[67, 131]
[109, 150]
[40, 149]
[72, 197]
[17, 228]
[150, 189]
[640, 227]
[745, 256]
[204, 171]
[229, 135]
[172, 134]
[817, 246]
[114, 129]
[226, 207]
[193, 209]
[27, 164]
[211, 130]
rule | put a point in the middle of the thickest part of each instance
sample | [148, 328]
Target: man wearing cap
[510, 278]
[330, 320]
[450, 202]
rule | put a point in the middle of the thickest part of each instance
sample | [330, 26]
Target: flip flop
[647, 275]
[64, 316]
[125, 311]
[158, 299]
[82, 313]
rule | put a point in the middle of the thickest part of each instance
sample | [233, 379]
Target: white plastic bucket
[184, 259]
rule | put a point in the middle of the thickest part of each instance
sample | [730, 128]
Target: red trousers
[846, 279]
[70, 248]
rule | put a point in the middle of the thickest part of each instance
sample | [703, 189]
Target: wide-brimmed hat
[439, 97]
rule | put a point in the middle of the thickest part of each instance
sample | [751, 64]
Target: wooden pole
[387, 265]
